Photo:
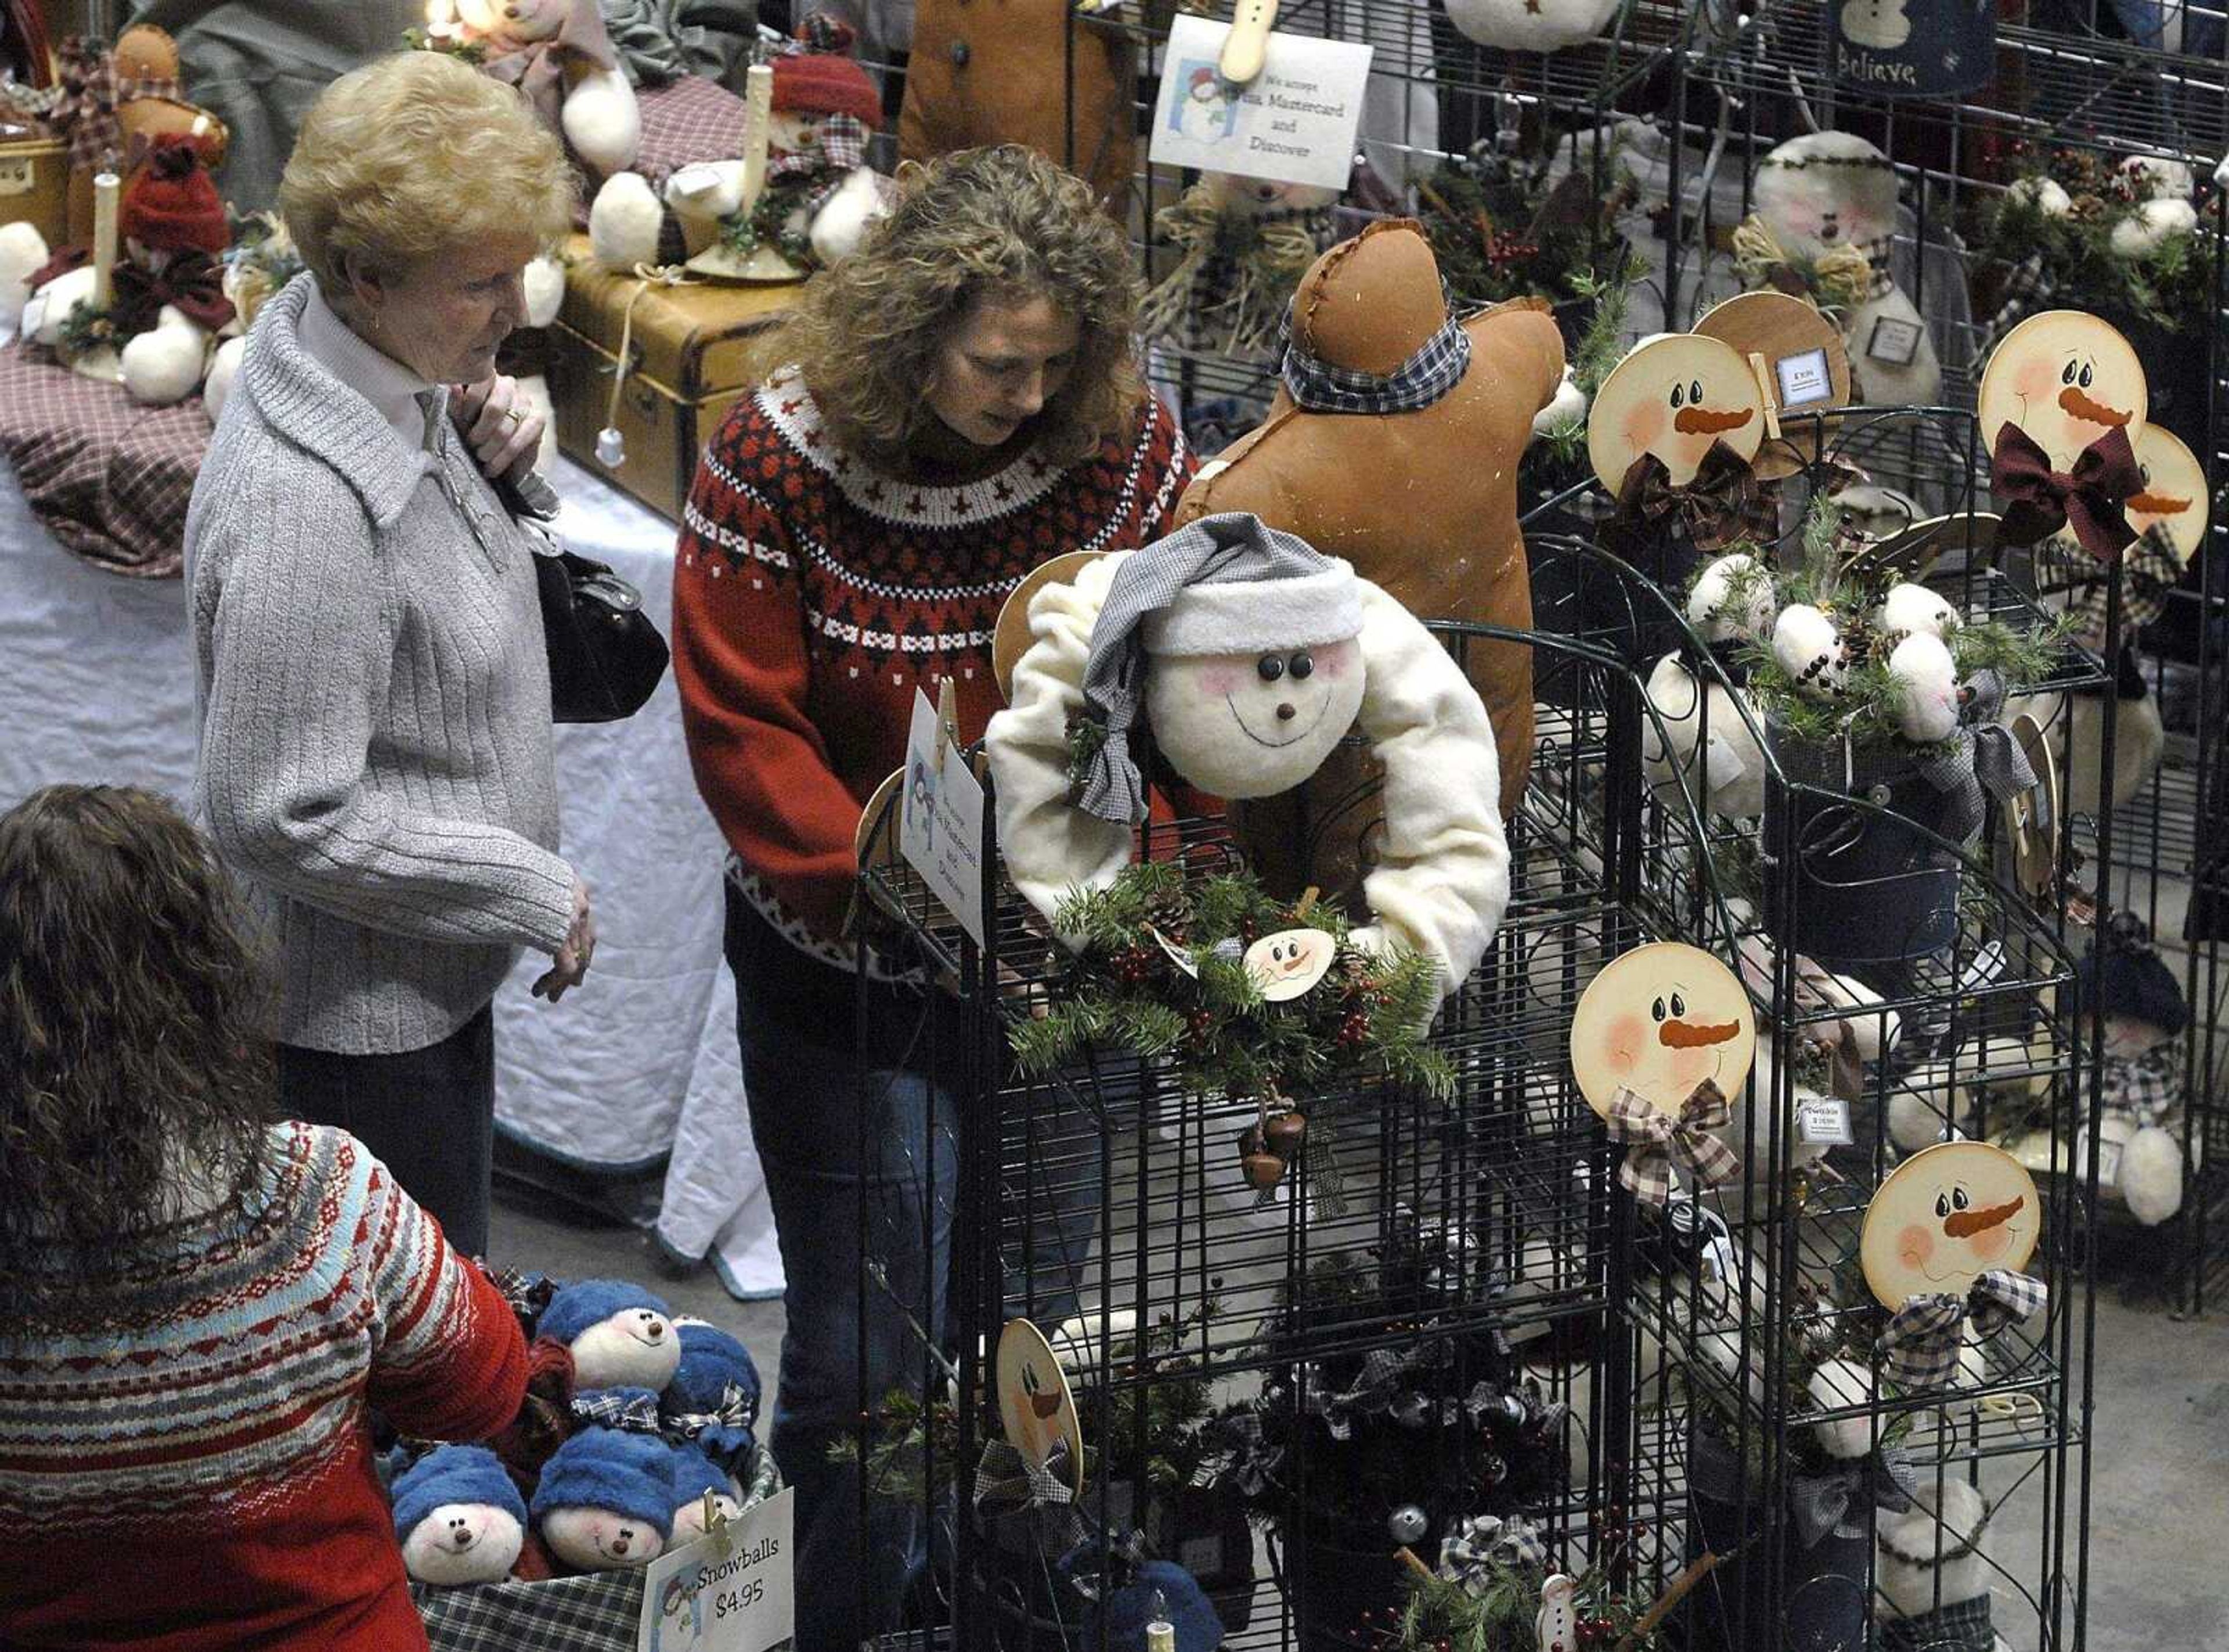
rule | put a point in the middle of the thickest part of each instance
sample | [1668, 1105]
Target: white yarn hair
[1837, 1386]
[1811, 652]
[1712, 608]
[1908, 609]
[2145, 230]
[1926, 680]
[2045, 194]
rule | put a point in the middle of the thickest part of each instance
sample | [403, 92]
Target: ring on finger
[514, 416]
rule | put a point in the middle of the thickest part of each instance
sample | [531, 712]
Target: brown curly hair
[129, 1050]
[1003, 223]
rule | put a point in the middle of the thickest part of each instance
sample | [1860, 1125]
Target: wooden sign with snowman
[1915, 49]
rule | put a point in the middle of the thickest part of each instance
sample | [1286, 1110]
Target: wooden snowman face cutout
[2063, 378]
[1671, 399]
[2173, 498]
[1036, 1408]
[1252, 725]
[1945, 1217]
[1658, 1021]
[1287, 964]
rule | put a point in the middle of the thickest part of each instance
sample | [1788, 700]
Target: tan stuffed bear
[1422, 502]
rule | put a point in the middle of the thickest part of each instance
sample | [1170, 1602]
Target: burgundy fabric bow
[192, 280]
[1723, 505]
[2086, 500]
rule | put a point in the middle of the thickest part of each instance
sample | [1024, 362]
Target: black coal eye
[2066, 374]
[2085, 376]
[2144, 475]
[1271, 667]
[1678, 394]
[1960, 1199]
[1679, 1004]
[1695, 390]
[1301, 666]
[1942, 1205]
[1657, 1009]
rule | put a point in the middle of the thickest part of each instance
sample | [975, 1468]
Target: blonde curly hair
[415, 155]
[1003, 223]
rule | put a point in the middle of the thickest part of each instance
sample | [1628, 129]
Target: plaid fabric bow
[724, 1428]
[1981, 758]
[1486, 1544]
[1372, 1392]
[2087, 499]
[1920, 1348]
[2147, 1088]
[1963, 1626]
[1653, 520]
[192, 280]
[821, 170]
[1656, 1140]
[1823, 1503]
[634, 1411]
[1006, 1481]
[1436, 368]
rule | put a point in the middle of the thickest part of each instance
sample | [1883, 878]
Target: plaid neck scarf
[632, 1409]
[1657, 1139]
[1320, 387]
[2148, 1088]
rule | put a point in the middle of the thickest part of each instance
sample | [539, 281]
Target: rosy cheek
[1915, 1246]
[1992, 1242]
[1217, 681]
[1645, 426]
[1336, 660]
[2032, 379]
[1625, 1036]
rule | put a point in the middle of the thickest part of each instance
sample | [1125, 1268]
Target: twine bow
[1238, 273]
[1840, 279]
[2086, 500]
[1656, 1141]
[1484, 1544]
[1820, 1503]
[1919, 1349]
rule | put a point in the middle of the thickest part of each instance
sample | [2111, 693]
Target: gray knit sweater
[374, 700]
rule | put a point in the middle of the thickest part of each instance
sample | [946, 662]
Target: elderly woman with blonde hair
[372, 684]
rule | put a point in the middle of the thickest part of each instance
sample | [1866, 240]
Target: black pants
[427, 1114]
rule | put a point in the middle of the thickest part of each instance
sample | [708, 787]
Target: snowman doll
[606, 1499]
[1245, 243]
[1250, 655]
[2142, 1017]
[558, 54]
[825, 109]
[1828, 190]
[620, 1336]
[458, 1517]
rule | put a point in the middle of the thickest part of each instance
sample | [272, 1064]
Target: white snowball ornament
[2157, 178]
[624, 221]
[621, 1336]
[1926, 680]
[23, 253]
[1911, 610]
[1837, 1386]
[1732, 600]
[1531, 25]
[49, 308]
[458, 1518]
[2046, 194]
[2145, 230]
[1250, 655]
[164, 364]
[1811, 651]
[216, 390]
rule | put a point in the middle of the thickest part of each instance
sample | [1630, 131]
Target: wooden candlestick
[105, 189]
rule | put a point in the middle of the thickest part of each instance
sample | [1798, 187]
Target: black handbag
[605, 657]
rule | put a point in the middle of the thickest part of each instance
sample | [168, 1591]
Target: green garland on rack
[1365, 1018]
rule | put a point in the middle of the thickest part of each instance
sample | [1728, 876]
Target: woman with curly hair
[197, 1303]
[963, 404]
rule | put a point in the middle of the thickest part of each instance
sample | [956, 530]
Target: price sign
[732, 1590]
[1824, 1119]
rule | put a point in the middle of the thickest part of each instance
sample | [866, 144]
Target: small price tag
[732, 1590]
[1894, 341]
[1824, 1119]
[940, 826]
[2109, 1164]
[1804, 378]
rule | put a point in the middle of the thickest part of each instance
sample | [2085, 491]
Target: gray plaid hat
[1225, 584]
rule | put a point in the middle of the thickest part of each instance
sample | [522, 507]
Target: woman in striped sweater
[198, 1305]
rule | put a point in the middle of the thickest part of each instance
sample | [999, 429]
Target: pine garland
[1442, 1616]
[767, 223]
[1365, 1018]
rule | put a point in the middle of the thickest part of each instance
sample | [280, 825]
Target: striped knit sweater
[184, 1460]
[376, 748]
[814, 596]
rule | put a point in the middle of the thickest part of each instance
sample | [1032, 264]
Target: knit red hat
[171, 204]
[819, 83]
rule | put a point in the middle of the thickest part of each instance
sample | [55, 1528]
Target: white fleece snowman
[1257, 721]
[1828, 190]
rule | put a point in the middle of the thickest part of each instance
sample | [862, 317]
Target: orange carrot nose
[2158, 504]
[1045, 1405]
[1679, 1035]
[1964, 1224]
[1708, 421]
[2097, 413]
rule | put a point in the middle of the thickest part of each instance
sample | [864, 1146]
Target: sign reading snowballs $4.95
[1915, 49]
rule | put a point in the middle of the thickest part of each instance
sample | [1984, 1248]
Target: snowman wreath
[1245, 656]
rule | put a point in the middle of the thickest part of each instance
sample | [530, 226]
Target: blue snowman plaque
[1915, 49]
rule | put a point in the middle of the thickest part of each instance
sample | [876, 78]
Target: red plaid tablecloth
[689, 119]
[109, 477]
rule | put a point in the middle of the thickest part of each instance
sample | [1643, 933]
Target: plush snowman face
[1673, 398]
[793, 130]
[1261, 194]
[689, 1518]
[462, 1543]
[634, 1349]
[1826, 190]
[1660, 1020]
[2065, 378]
[1253, 725]
[519, 20]
[1944, 1217]
[597, 1540]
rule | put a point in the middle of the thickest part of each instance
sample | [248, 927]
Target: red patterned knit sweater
[814, 595]
[184, 1460]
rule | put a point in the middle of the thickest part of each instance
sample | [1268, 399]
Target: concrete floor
[2160, 1475]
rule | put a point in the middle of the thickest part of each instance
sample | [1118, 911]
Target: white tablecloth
[97, 681]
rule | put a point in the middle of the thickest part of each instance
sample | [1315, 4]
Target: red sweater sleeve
[448, 1360]
[740, 663]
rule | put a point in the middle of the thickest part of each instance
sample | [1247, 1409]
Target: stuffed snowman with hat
[1248, 655]
[2142, 1015]
[560, 55]
[458, 1517]
[620, 1336]
[606, 1499]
